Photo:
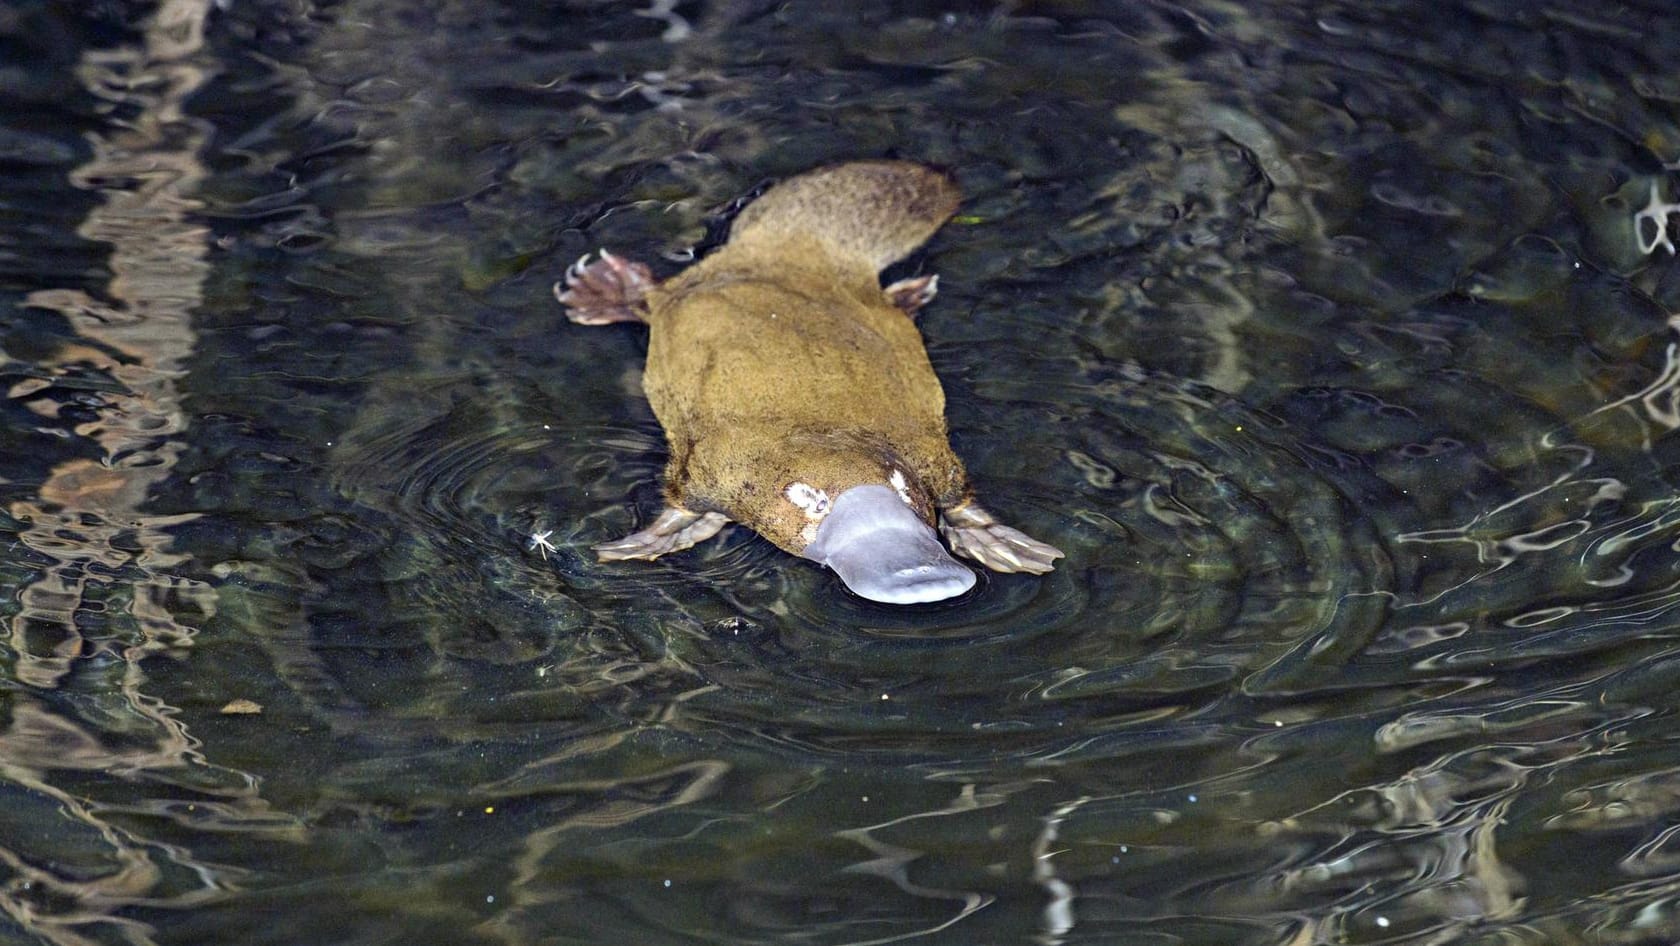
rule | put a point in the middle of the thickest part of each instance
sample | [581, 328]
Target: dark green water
[1323, 337]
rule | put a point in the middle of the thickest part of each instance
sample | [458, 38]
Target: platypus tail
[872, 211]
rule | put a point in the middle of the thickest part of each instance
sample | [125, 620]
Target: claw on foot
[975, 533]
[611, 289]
[911, 294]
[675, 529]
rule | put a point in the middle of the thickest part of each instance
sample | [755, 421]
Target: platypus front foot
[975, 533]
[611, 289]
[675, 529]
[911, 294]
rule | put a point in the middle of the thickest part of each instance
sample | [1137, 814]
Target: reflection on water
[86, 751]
[1335, 348]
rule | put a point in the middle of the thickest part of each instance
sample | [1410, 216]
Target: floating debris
[538, 542]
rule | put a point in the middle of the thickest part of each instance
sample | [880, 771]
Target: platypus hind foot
[911, 294]
[973, 532]
[611, 289]
[675, 529]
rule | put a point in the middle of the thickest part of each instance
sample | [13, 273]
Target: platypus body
[795, 391]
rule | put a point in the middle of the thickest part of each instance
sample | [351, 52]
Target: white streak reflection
[1660, 400]
[891, 862]
[1058, 913]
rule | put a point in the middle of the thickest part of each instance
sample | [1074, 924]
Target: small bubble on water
[667, 882]
[1193, 799]
[1382, 921]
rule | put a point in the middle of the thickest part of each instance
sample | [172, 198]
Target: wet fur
[784, 376]
[780, 358]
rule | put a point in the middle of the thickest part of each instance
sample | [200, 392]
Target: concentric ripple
[1195, 529]
[1210, 548]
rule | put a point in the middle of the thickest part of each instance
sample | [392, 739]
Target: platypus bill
[796, 394]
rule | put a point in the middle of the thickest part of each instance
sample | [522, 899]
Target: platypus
[796, 394]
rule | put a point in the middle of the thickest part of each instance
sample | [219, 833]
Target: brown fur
[779, 358]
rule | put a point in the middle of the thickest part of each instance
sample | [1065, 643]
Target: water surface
[1327, 340]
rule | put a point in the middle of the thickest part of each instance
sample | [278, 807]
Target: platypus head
[883, 550]
[872, 523]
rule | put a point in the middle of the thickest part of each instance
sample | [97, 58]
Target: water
[1325, 340]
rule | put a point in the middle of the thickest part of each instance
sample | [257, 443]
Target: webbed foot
[675, 529]
[974, 533]
[911, 294]
[611, 289]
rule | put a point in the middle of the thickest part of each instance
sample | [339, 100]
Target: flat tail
[871, 212]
